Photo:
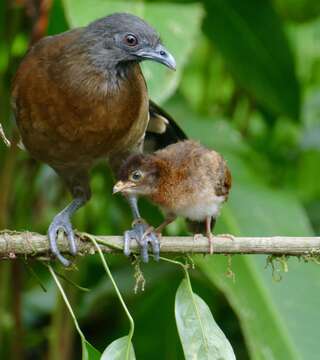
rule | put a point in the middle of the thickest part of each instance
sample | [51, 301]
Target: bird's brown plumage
[66, 114]
[189, 170]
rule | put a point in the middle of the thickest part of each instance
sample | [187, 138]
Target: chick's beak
[159, 54]
[122, 186]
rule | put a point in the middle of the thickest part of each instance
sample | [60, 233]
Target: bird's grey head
[121, 39]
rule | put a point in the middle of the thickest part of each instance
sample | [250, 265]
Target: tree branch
[26, 244]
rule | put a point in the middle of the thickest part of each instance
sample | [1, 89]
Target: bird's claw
[61, 223]
[211, 237]
[144, 235]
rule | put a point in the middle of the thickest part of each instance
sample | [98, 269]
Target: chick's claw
[227, 236]
[144, 235]
[152, 238]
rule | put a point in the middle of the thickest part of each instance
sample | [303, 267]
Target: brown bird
[80, 96]
[184, 179]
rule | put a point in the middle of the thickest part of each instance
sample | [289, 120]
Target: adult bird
[80, 96]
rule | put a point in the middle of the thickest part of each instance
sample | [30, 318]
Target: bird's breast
[188, 201]
[200, 209]
[70, 124]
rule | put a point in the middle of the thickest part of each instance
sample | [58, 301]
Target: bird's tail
[162, 130]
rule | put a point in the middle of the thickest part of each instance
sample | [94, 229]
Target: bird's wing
[3, 137]
[162, 129]
[15, 137]
[223, 185]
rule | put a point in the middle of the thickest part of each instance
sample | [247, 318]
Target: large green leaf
[249, 35]
[120, 349]
[201, 337]
[174, 31]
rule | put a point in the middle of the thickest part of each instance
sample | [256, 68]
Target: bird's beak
[123, 186]
[159, 54]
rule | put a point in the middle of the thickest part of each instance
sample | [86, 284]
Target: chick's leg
[210, 223]
[140, 232]
[168, 220]
[209, 232]
[158, 230]
[80, 190]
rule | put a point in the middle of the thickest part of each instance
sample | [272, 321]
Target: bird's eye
[136, 175]
[130, 40]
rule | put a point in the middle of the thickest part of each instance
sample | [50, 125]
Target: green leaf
[250, 37]
[89, 352]
[162, 82]
[298, 10]
[200, 335]
[305, 41]
[57, 20]
[308, 174]
[120, 349]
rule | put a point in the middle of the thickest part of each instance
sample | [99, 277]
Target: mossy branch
[32, 245]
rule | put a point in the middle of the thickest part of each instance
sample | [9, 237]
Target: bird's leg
[138, 232]
[209, 223]
[209, 233]
[61, 222]
[133, 202]
[158, 230]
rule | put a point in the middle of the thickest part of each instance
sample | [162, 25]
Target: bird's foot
[210, 237]
[62, 223]
[197, 237]
[150, 230]
[144, 235]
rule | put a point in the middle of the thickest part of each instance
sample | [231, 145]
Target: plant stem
[61, 328]
[64, 296]
[106, 267]
[57, 318]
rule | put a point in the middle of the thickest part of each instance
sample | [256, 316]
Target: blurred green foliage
[248, 85]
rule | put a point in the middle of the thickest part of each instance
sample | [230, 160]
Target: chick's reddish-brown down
[184, 179]
[80, 96]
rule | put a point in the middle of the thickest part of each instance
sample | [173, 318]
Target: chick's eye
[136, 175]
[131, 40]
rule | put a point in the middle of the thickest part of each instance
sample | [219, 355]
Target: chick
[184, 179]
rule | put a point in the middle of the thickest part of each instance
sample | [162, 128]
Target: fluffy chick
[184, 179]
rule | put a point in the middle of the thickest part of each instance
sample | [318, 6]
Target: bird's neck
[123, 70]
[91, 80]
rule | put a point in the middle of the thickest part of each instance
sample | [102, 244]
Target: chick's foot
[144, 235]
